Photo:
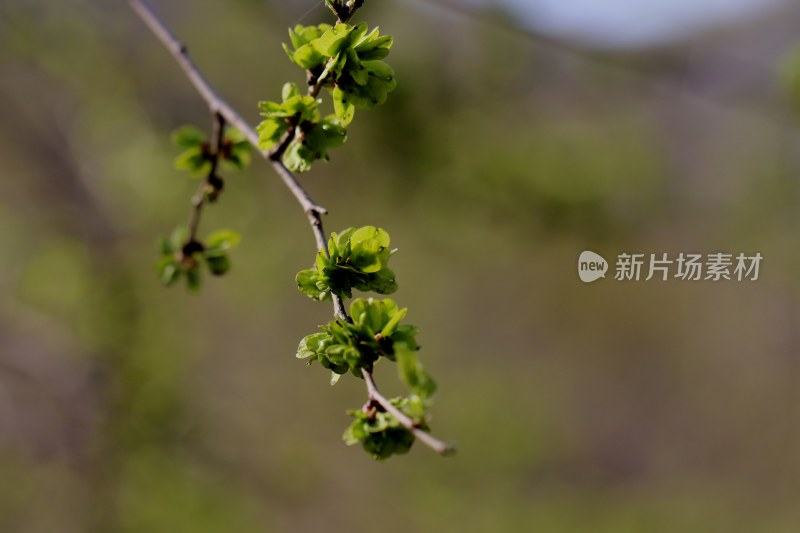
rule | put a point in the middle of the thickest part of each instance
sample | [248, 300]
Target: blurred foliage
[604, 408]
[234, 150]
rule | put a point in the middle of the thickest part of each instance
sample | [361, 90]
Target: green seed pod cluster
[347, 61]
[374, 332]
[313, 134]
[379, 433]
[357, 259]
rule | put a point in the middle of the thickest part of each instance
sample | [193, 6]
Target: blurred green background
[504, 152]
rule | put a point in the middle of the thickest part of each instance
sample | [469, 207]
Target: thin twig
[201, 196]
[314, 212]
[429, 440]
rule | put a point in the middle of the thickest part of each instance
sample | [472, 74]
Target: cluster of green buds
[345, 59]
[182, 257]
[299, 114]
[198, 155]
[182, 254]
[381, 434]
[374, 331]
[356, 259]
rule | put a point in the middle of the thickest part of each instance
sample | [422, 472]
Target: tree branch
[215, 103]
[220, 108]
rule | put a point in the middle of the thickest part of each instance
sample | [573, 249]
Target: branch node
[316, 210]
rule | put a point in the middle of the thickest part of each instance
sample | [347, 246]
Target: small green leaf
[335, 39]
[312, 284]
[321, 261]
[178, 237]
[373, 46]
[296, 158]
[342, 106]
[406, 333]
[314, 143]
[303, 106]
[412, 373]
[381, 71]
[270, 132]
[220, 242]
[289, 90]
[193, 160]
[338, 242]
[379, 433]
[301, 37]
[273, 110]
[382, 282]
[218, 264]
[238, 159]
[235, 148]
[169, 270]
[193, 278]
[298, 35]
[356, 70]
[395, 319]
[336, 65]
[308, 57]
[370, 249]
[374, 54]
[380, 82]
[164, 246]
[311, 345]
[188, 137]
[355, 433]
[358, 309]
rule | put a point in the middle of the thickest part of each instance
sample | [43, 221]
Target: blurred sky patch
[632, 23]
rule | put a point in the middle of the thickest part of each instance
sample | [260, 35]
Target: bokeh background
[521, 133]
